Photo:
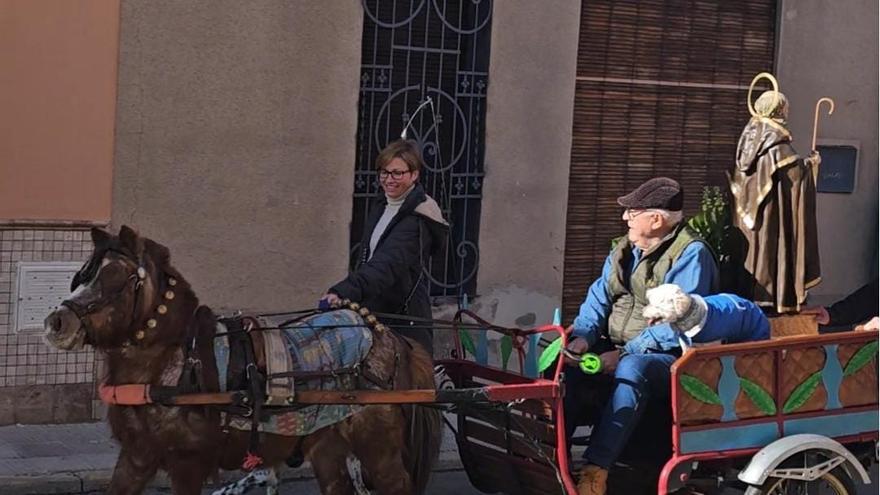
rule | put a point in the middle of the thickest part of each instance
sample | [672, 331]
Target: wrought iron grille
[412, 50]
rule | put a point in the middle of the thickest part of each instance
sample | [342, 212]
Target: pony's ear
[159, 253]
[131, 240]
[100, 237]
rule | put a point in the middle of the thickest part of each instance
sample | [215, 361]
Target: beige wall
[830, 49]
[236, 139]
[528, 147]
[57, 101]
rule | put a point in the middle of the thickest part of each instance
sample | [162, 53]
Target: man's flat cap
[660, 192]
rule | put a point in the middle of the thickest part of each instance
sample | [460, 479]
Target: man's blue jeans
[638, 379]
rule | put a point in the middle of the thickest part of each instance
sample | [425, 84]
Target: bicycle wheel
[834, 482]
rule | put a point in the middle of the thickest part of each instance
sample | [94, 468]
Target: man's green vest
[628, 300]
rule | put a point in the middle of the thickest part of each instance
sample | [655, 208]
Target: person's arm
[695, 272]
[594, 311]
[386, 266]
[857, 307]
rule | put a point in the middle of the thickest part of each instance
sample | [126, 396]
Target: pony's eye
[113, 276]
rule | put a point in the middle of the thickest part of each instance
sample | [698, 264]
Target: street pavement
[442, 483]
[79, 459]
[75, 459]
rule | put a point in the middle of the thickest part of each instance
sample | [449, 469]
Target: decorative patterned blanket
[328, 341]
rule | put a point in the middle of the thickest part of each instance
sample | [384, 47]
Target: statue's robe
[774, 194]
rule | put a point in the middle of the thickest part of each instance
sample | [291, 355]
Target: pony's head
[124, 295]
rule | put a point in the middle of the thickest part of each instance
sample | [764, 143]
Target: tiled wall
[25, 359]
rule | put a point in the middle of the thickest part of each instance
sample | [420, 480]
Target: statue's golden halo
[769, 77]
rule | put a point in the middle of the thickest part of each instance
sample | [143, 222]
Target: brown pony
[132, 305]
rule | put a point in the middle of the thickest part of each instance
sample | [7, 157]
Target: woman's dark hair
[405, 149]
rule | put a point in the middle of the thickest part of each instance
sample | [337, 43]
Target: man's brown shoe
[593, 480]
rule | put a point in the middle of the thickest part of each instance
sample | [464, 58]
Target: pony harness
[325, 351]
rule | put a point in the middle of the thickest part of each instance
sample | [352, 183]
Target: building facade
[229, 132]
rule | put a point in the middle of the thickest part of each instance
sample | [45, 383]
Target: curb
[90, 482]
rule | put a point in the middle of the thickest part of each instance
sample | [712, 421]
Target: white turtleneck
[391, 209]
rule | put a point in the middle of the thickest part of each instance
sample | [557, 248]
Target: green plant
[713, 221]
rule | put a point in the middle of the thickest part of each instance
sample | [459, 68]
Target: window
[412, 50]
[661, 91]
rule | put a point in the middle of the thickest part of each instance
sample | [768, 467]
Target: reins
[422, 323]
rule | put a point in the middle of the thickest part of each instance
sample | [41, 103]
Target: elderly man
[659, 248]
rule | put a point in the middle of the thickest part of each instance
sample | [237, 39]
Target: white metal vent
[40, 287]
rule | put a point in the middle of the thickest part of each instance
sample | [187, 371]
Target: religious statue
[774, 194]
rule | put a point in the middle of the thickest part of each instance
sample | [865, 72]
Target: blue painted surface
[221, 358]
[832, 376]
[531, 363]
[482, 347]
[482, 356]
[728, 388]
[834, 426]
[728, 438]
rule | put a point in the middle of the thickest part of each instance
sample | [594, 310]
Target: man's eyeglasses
[630, 213]
[396, 174]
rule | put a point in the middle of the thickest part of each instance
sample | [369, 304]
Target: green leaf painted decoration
[758, 396]
[862, 357]
[802, 393]
[506, 349]
[699, 390]
[467, 342]
[549, 355]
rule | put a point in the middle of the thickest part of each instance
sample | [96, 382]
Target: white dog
[721, 317]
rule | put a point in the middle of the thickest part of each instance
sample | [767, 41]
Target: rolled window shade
[660, 91]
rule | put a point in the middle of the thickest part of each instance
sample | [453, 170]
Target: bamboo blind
[661, 90]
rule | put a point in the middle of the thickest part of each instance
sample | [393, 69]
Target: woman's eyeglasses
[395, 174]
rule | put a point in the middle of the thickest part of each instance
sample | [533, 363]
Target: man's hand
[819, 313]
[872, 324]
[609, 361]
[574, 350]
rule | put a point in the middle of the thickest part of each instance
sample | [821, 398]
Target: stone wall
[39, 384]
[830, 49]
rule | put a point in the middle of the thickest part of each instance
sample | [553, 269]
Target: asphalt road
[442, 483]
[456, 482]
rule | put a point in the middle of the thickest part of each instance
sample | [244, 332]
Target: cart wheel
[834, 482]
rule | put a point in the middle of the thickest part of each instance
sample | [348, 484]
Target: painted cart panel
[745, 396]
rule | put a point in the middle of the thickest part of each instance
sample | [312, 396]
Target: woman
[404, 228]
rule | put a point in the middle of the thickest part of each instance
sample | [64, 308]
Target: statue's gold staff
[816, 116]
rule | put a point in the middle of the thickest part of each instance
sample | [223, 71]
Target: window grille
[412, 50]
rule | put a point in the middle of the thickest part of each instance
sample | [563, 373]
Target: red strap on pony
[135, 394]
[251, 461]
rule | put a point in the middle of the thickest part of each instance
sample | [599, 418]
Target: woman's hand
[330, 300]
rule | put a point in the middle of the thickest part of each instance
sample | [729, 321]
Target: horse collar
[153, 321]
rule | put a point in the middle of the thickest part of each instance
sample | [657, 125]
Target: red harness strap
[135, 394]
